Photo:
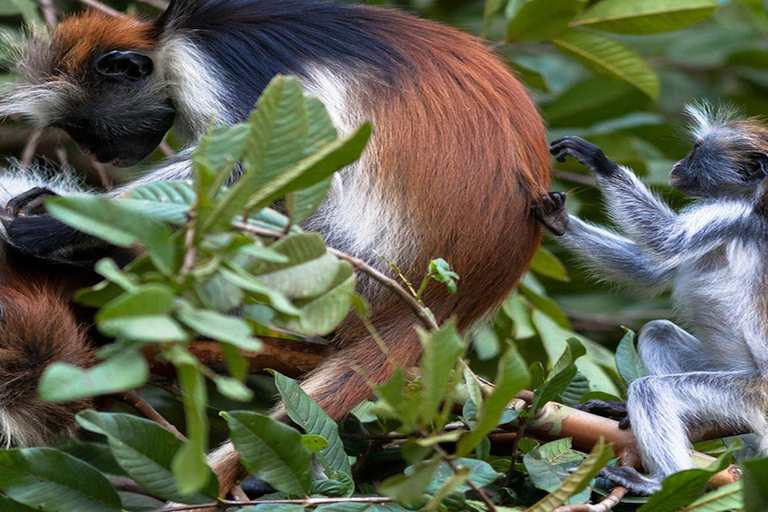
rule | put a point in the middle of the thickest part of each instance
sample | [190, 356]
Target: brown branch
[29, 148]
[49, 12]
[421, 313]
[95, 4]
[610, 501]
[149, 412]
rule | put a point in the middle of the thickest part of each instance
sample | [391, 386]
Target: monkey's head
[95, 77]
[729, 156]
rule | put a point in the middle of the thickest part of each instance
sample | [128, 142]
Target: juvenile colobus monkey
[712, 258]
[458, 154]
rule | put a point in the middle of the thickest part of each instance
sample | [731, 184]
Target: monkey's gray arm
[614, 257]
[663, 235]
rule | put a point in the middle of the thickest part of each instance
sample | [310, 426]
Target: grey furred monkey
[711, 257]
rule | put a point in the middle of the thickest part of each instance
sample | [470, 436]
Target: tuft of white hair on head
[712, 119]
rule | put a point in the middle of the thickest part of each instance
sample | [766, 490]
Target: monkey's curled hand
[589, 155]
[550, 212]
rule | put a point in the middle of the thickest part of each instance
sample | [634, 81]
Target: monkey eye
[124, 66]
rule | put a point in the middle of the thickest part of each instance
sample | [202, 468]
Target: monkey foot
[629, 478]
[550, 212]
[589, 155]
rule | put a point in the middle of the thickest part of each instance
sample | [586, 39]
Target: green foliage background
[617, 72]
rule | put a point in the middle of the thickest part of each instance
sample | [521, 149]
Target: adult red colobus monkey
[458, 155]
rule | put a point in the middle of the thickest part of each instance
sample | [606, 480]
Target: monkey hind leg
[665, 349]
[629, 478]
[664, 408]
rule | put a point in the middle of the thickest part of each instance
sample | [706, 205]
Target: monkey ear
[124, 66]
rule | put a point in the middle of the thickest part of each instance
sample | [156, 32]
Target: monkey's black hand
[589, 155]
[629, 478]
[550, 212]
[612, 409]
[29, 203]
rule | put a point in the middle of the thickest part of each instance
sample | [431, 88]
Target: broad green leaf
[545, 304]
[580, 106]
[491, 8]
[600, 455]
[550, 465]
[228, 329]
[682, 488]
[442, 348]
[118, 224]
[63, 383]
[563, 372]
[167, 201]
[257, 291]
[145, 451]
[546, 264]
[730, 497]
[52, 481]
[233, 388]
[647, 17]
[481, 474]
[755, 473]
[512, 377]
[8, 505]
[401, 398]
[628, 361]
[141, 314]
[272, 451]
[28, 10]
[314, 443]
[577, 388]
[409, 490]
[304, 412]
[361, 507]
[316, 167]
[322, 314]
[610, 58]
[537, 20]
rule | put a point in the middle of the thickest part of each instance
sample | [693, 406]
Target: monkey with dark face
[711, 257]
[457, 157]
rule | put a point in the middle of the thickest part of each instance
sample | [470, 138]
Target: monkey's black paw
[256, 487]
[612, 409]
[29, 203]
[589, 155]
[628, 478]
[550, 212]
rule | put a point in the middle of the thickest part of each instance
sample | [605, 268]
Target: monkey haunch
[457, 157]
[711, 257]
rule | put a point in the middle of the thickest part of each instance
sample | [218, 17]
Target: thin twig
[95, 4]
[610, 501]
[164, 147]
[308, 502]
[49, 12]
[515, 443]
[159, 4]
[421, 313]
[106, 181]
[481, 494]
[190, 251]
[29, 148]
[149, 412]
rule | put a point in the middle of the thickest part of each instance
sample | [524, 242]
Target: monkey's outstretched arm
[609, 255]
[661, 233]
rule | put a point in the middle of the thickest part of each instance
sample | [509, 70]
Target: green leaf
[141, 314]
[755, 474]
[647, 17]
[167, 201]
[361, 507]
[228, 329]
[682, 488]
[440, 271]
[8, 505]
[145, 451]
[728, 497]
[188, 465]
[63, 383]
[512, 377]
[481, 474]
[600, 455]
[537, 20]
[409, 490]
[315, 168]
[545, 304]
[610, 58]
[118, 224]
[52, 481]
[491, 8]
[628, 361]
[442, 348]
[551, 464]
[546, 264]
[272, 451]
[28, 10]
[561, 375]
[304, 412]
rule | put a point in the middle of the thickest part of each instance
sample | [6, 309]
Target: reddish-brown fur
[37, 328]
[77, 39]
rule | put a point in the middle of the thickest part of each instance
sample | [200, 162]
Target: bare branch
[149, 412]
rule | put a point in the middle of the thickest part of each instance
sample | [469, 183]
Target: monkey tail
[37, 329]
